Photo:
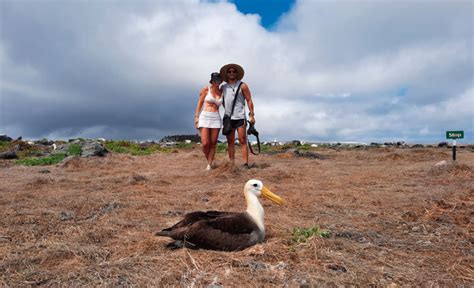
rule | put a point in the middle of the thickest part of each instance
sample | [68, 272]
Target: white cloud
[330, 71]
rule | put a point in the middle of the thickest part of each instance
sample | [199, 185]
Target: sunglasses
[231, 72]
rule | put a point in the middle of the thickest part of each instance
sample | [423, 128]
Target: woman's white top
[211, 99]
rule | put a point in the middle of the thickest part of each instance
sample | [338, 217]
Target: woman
[208, 120]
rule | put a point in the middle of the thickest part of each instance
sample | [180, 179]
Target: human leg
[231, 145]
[214, 134]
[241, 131]
[205, 141]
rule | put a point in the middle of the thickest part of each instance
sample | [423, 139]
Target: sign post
[454, 135]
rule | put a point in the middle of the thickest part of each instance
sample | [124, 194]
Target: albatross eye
[255, 185]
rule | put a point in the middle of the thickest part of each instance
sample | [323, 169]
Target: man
[233, 74]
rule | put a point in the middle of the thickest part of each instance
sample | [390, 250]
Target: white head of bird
[252, 190]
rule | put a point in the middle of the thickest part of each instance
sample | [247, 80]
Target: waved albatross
[227, 231]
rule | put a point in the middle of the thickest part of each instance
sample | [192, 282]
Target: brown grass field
[394, 220]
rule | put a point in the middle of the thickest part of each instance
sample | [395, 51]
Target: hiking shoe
[246, 166]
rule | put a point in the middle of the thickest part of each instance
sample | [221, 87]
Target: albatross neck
[255, 210]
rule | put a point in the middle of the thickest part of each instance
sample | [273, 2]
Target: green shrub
[301, 235]
[48, 160]
[74, 149]
[221, 147]
[305, 147]
[184, 145]
[4, 146]
[133, 148]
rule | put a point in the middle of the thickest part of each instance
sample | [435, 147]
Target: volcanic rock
[8, 155]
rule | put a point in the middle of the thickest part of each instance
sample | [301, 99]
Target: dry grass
[393, 219]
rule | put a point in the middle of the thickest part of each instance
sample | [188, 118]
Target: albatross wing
[214, 230]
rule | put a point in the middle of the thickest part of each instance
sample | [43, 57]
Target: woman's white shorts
[210, 120]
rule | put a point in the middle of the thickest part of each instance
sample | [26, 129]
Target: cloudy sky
[368, 71]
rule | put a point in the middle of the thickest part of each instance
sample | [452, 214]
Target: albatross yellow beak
[269, 195]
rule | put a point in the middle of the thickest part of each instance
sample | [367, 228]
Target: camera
[252, 130]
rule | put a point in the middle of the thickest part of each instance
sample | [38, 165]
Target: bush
[184, 145]
[48, 160]
[133, 148]
[4, 145]
[221, 148]
[74, 149]
[301, 235]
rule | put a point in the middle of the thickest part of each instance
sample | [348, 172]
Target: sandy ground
[395, 220]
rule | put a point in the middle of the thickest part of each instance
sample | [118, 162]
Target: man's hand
[252, 119]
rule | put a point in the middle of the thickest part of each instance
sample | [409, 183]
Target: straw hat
[238, 68]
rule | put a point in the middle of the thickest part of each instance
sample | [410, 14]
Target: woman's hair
[215, 76]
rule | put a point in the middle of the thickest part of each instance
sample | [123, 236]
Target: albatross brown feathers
[227, 231]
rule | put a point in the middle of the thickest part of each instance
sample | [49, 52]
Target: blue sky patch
[269, 10]
[402, 91]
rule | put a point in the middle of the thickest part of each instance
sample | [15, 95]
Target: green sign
[454, 134]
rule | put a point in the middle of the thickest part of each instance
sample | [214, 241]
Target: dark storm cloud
[79, 77]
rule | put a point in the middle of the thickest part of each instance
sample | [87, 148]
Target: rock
[45, 142]
[336, 267]
[64, 216]
[441, 163]
[43, 171]
[109, 207]
[8, 155]
[309, 154]
[255, 265]
[124, 281]
[281, 265]
[4, 137]
[215, 283]
[93, 148]
[4, 238]
[401, 143]
[296, 143]
[388, 276]
[62, 148]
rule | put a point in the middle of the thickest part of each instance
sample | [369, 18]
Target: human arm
[248, 98]
[202, 95]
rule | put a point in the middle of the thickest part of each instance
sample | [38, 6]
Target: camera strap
[249, 132]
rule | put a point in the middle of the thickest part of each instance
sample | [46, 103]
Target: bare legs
[209, 141]
[242, 134]
[212, 150]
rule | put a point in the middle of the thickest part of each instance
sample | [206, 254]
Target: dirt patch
[394, 217]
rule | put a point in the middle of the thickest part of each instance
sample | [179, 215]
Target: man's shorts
[237, 123]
